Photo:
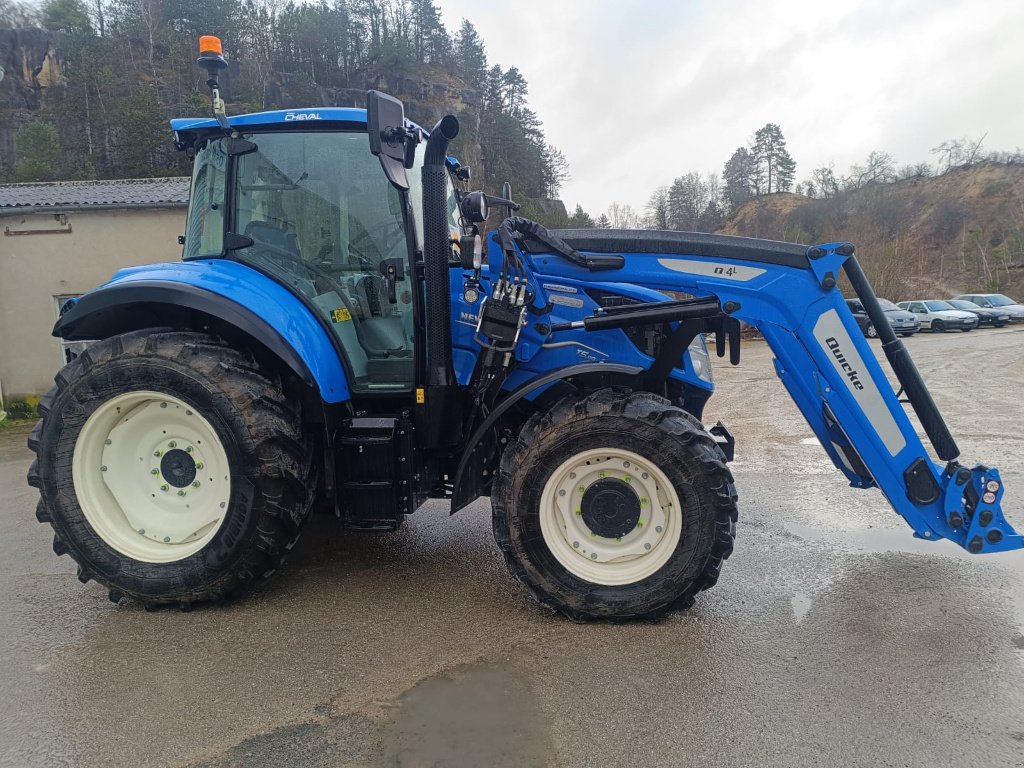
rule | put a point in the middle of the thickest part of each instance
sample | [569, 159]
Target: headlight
[700, 359]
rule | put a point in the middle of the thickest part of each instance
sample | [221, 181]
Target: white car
[997, 301]
[940, 316]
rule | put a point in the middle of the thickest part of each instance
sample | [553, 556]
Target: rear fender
[238, 295]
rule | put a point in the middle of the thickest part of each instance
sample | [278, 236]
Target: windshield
[961, 304]
[938, 306]
[887, 305]
[998, 300]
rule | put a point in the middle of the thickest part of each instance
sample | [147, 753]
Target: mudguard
[228, 290]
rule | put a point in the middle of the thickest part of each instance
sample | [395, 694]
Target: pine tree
[738, 178]
[471, 57]
[773, 167]
[580, 219]
[38, 152]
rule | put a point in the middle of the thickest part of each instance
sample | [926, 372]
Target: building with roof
[61, 239]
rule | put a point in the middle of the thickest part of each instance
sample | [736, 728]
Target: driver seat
[274, 236]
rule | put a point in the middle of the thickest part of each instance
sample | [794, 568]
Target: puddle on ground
[896, 540]
[481, 715]
[801, 605]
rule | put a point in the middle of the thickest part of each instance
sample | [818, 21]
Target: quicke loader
[327, 343]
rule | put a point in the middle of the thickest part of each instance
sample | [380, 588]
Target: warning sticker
[340, 315]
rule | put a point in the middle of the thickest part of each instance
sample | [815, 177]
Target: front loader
[342, 334]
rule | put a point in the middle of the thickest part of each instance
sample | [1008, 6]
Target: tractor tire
[573, 491]
[172, 468]
[938, 326]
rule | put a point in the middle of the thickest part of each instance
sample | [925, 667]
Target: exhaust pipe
[436, 252]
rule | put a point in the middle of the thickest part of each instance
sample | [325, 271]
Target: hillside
[961, 231]
[88, 95]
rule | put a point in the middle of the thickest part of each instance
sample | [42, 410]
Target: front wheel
[615, 506]
[172, 469]
[871, 332]
[938, 326]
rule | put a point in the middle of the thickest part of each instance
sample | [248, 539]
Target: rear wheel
[871, 332]
[938, 326]
[171, 468]
[615, 506]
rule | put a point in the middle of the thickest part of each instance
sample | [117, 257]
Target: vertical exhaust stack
[436, 252]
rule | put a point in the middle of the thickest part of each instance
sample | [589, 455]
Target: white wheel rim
[619, 560]
[131, 469]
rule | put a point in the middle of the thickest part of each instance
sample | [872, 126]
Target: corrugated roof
[112, 193]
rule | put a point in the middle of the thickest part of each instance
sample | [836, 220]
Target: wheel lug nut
[181, 492]
[108, 441]
[189, 449]
[154, 471]
[199, 465]
[158, 453]
[593, 555]
[195, 484]
[562, 492]
[647, 545]
[167, 539]
[165, 487]
[576, 545]
[172, 444]
[163, 405]
[103, 468]
[657, 529]
[572, 475]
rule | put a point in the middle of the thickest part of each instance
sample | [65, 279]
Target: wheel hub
[610, 508]
[610, 516]
[152, 476]
[178, 468]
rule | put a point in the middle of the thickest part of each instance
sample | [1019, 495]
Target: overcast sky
[636, 94]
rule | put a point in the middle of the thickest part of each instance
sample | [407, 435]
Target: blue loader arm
[789, 293]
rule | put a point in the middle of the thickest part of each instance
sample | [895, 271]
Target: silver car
[997, 301]
[940, 316]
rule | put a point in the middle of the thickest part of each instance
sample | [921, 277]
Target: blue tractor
[341, 334]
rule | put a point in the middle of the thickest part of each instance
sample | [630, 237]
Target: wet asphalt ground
[832, 638]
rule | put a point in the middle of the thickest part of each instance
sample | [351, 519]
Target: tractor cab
[305, 203]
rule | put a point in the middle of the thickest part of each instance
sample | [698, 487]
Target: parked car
[940, 316]
[997, 318]
[997, 301]
[904, 323]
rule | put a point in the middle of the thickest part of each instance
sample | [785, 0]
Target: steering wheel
[376, 237]
[339, 289]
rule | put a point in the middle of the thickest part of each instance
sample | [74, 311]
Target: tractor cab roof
[188, 129]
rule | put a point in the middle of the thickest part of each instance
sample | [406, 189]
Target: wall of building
[35, 268]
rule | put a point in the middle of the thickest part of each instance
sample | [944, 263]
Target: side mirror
[474, 207]
[385, 124]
